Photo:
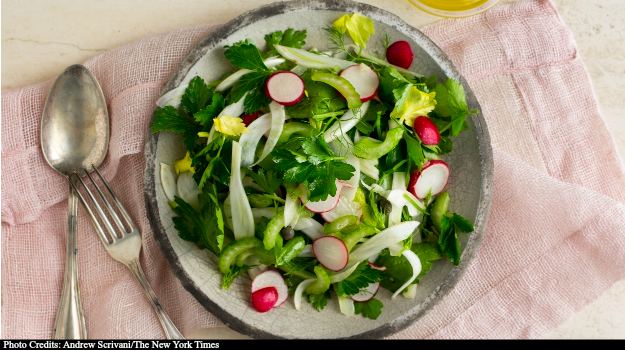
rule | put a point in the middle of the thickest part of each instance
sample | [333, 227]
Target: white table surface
[40, 38]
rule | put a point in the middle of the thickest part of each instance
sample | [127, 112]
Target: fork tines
[122, 230]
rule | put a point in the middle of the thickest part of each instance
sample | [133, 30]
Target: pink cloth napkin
[555, 238]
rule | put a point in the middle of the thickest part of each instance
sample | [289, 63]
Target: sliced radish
[400, 54]
[363, 79]
[427, 131]
[377, 267]
[366, 294]
[264, 299]
[322, 206]
[342, 208]
[272, 278]
[432, 178]
[331, 253]
[285, 87]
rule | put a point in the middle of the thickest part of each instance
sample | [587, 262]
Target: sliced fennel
[242, 218]
[292, 207]
[410, 292]
[249, 141]
[346, 305]
[307, 252]
[369, 167]
[310, 60]
[310, 227]
[364, 55]
[188, 190]
[297, 297]
[278, 116]
[173, 97]
[346, 123]
[416, 269]
[380, 241]
[168, 182]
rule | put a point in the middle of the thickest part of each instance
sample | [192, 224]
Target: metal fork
[124, 247]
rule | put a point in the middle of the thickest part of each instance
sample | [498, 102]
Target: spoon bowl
[74, 135]
[75, 123]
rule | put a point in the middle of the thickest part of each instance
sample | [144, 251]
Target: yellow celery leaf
[359, 28]
[417, 103]
[184, 164]
[230, 126]
[340, 24]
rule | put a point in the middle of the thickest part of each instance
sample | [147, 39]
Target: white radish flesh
[168, 182]
[249, 141]
[331, 253]
[325, 205]
[188, 190]
[367, 293]
[285, 87]
[272, 278]
[414, 261]
[363, 79]
[432, 179]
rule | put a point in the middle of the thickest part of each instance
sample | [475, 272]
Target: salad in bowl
[317, 171]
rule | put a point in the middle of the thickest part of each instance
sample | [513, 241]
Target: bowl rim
[278, 8]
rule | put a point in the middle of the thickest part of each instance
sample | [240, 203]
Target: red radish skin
[400, 54]
[366, 294]
[249, 118]
[272, 278]
[427, 131]
[432, 177]
[285, 87]
[322, 206]
[331, 253]
[264, 299]
[363, 79]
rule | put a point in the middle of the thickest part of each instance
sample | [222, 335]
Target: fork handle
[70, 320]
[168, 326]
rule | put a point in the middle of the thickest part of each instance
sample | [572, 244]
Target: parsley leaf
[314, 162]
[254, 85]
[205, 116]
[235, 271]
[205, 228]
[320, 301]
[245, 55]
[451, 224]
[369, 309]
[299, 264]
[269, 180]
[359, 279]
[399, 270]
[415, 151]
[291, 38]
[170, 119]
[196, 96]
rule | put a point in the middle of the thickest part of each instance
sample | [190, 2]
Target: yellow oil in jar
[454, 8]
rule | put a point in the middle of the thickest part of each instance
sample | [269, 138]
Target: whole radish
[427, 131]
[249, 118]
[264, 299]
[400, 54]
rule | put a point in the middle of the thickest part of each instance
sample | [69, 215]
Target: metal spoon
[74, 134]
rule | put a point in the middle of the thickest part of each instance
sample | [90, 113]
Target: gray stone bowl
[470, 185]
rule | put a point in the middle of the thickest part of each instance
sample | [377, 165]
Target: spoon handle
[70, 320]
